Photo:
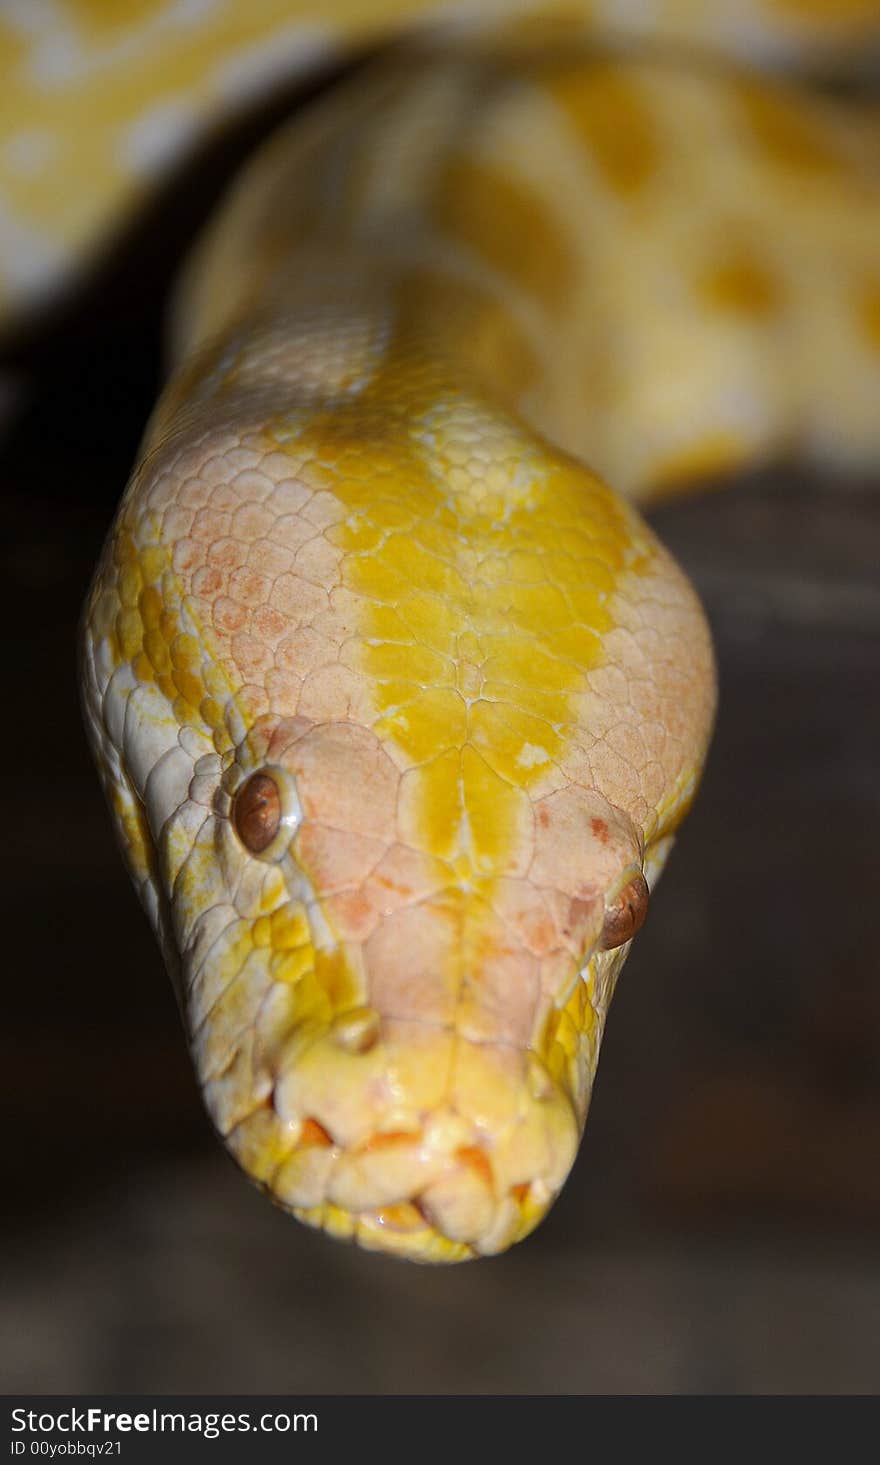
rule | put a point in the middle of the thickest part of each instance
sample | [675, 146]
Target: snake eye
[626, 914]
[256, 812]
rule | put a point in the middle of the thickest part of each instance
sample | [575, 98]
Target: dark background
[719, 1232]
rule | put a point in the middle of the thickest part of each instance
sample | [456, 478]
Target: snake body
[397, 705]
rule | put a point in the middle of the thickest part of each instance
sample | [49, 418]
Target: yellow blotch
[289, 928]
[291, 966]
[498, 221]
[357, 534]
[406, 662]
[609, 114]
[187, 652]
[101, 20]
[437, 719]
[538, 604]
[88, 184]
[513, 742]
[396, 694]
[150, 606]
[388, 624]
[742, 285]
[190, 687]
[560, 26]
[517, 662]
[337, 981]
[431, 621]
[13, 46]
[338, 1223]
[154, 559]
[211, 714]
[438, 805]
[495, 812]
[181, 707]
[311, 1002]
[415, 565]
[156, 648]
[780, 125]
[560, 1045]
[142, 667]
[130, 583]
[549, 706]
[189, 671]
[440, 609]
[368, 575]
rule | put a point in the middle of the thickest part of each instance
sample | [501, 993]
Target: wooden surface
[720, 1229]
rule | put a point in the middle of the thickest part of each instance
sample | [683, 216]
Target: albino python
[397, 705]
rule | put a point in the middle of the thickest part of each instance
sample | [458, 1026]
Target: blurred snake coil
[397, 701]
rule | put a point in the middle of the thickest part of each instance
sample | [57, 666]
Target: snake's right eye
[626, 914]
[256, 812]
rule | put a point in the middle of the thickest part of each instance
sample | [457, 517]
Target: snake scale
[397, 704]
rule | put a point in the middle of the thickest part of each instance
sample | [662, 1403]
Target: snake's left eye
[256, 812]
[625, 915]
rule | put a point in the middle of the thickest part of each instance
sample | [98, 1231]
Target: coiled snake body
[397, 705]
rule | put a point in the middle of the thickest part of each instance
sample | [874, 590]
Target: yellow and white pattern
[100, 97]
[397, 704]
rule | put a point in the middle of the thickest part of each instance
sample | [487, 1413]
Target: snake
[397, 700]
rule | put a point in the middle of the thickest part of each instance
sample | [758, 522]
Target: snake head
[396, 731]
[396, 1050]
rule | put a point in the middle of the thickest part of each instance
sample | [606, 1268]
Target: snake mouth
[432, 1176]
[416, 1138]
[459, 1212]
[460, 1207]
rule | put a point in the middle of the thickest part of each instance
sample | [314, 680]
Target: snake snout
[442, 1173]
[465, 1151]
